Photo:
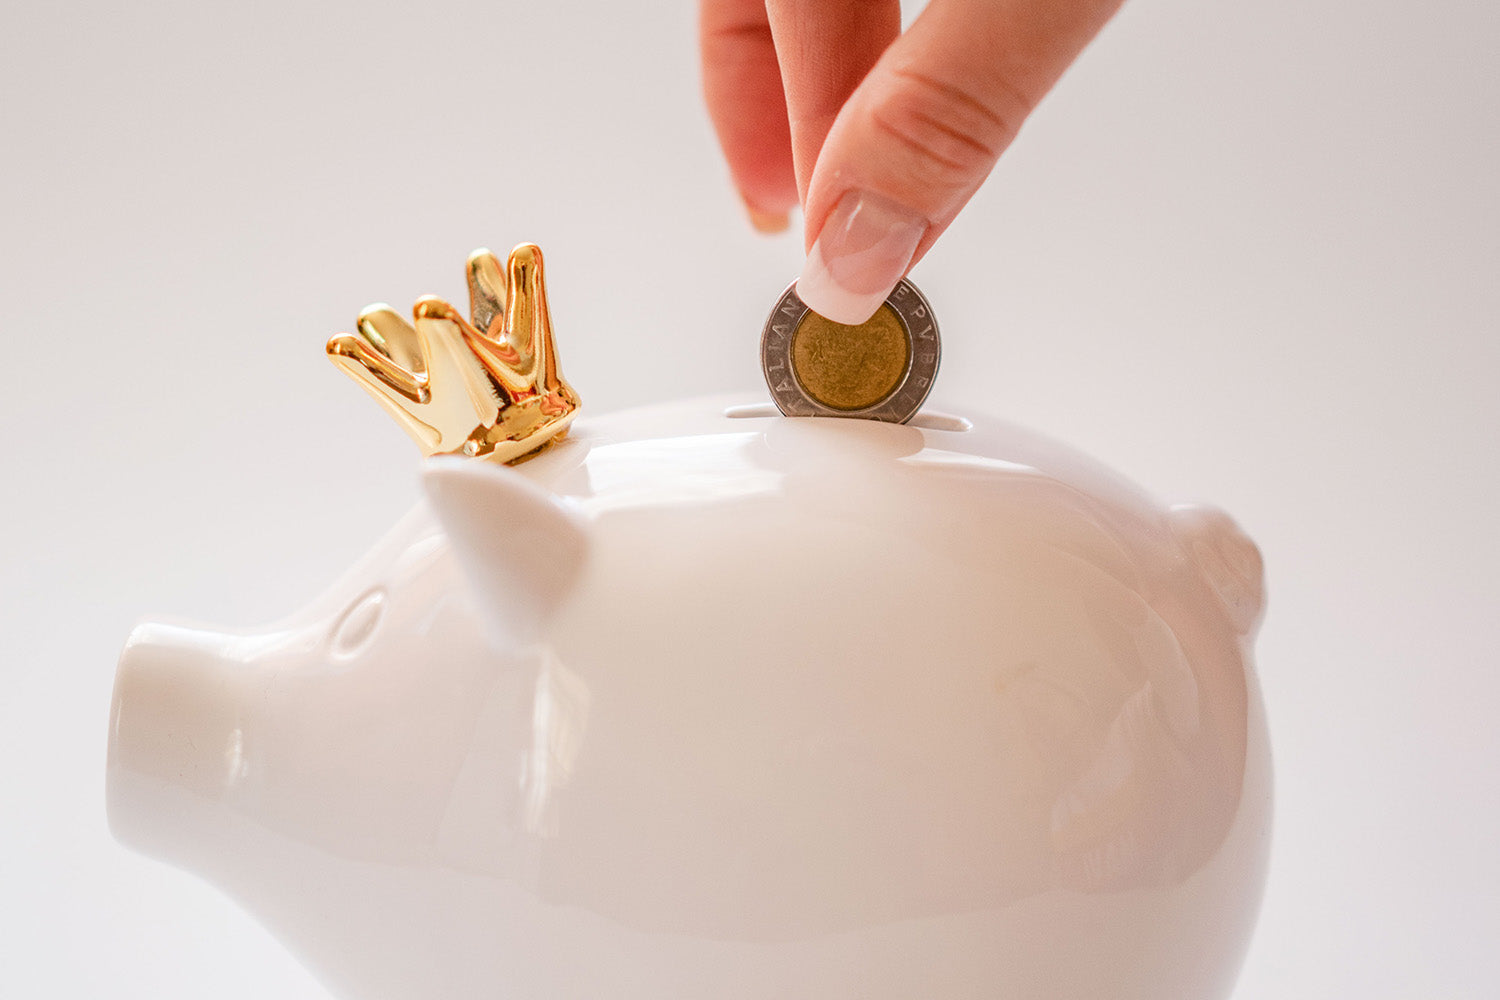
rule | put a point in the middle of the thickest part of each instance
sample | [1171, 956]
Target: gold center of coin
[850, 367]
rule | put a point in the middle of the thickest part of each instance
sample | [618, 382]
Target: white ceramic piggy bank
[713, 703]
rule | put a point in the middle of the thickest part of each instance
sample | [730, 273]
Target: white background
[1245, 252]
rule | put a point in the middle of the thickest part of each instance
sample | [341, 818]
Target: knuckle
[944, 135]
[737, 44]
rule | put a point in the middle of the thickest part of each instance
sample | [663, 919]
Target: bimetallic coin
[881, 369]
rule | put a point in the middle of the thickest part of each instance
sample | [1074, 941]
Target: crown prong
[436, 307]
[509, 345]
[397, 391]
[446, 333]
[528, 320]
[487, 293]
[349, 350]
[393, 336]
[528, 274]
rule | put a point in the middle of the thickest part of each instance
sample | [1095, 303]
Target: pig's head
[338, 725]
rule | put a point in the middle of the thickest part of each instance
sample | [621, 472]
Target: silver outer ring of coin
[924, 351]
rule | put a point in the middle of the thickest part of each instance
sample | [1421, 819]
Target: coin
[850, 367]
[881, 369]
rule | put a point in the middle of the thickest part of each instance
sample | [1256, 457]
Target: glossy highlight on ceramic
[736, 706]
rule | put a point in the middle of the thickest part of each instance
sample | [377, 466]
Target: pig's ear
[520, 547]
[1228, 559]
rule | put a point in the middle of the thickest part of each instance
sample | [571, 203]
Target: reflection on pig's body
[692, 706]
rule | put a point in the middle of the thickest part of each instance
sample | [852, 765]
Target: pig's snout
[175, 738]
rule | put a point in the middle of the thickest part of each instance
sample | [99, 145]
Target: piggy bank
[702, 701]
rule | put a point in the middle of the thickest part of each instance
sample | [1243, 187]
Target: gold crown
[486, 386]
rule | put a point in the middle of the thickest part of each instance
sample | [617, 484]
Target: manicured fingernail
[865, 247]
[769, 223]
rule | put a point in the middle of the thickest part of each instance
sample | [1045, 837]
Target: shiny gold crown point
[487, 385]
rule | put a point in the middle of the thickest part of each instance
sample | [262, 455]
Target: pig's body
[758, 708]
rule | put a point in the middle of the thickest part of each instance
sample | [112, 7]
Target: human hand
[882, 137]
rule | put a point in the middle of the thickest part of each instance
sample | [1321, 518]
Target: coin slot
[752, 410]
[940, 422]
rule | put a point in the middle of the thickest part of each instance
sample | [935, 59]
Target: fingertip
[768, 223]
[821, 293]
[866, 246]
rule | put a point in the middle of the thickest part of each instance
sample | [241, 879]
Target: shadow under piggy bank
[736, 706]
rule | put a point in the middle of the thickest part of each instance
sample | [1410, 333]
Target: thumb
[920, 134]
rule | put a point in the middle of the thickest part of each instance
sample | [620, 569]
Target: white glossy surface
[811, 707]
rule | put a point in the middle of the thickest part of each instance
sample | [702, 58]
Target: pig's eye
[358, 623]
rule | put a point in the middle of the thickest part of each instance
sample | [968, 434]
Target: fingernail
[865, 247]
[769, 223]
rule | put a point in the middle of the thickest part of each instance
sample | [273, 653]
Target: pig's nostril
[357, 625]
